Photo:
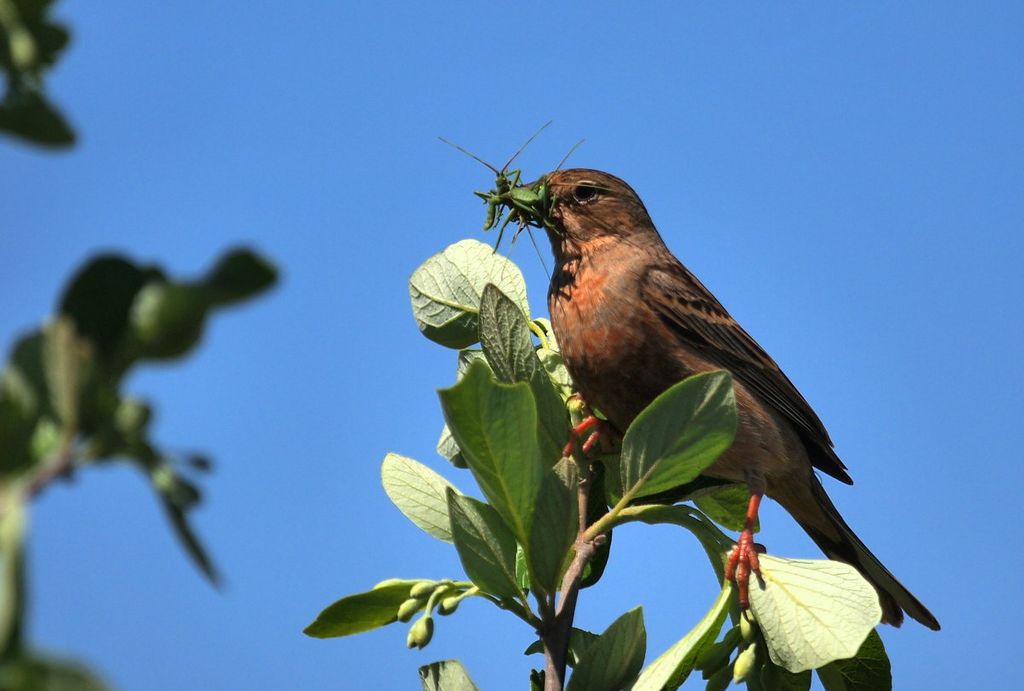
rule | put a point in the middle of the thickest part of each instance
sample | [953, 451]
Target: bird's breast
[610, 340]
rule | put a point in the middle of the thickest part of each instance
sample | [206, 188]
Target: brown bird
[631, 320]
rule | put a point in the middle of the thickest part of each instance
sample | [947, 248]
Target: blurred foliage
[62, 409]
[30, 43]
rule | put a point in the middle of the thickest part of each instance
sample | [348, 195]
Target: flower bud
[748, 629]
[744, 664]
[423, 589]
[420, 633]
[449, 605]
[408, 608]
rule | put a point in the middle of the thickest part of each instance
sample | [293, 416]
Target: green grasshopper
[526, 205]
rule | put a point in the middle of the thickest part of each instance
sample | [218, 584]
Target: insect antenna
[471, 155]
[523, 147]
[540, 255]
[571, 152]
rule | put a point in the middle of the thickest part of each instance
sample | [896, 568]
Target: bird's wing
[693, 313]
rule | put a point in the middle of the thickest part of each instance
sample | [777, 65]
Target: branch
[557, 632]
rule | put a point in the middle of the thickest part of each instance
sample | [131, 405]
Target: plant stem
[558, 630]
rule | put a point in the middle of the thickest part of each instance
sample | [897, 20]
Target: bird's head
[590, 205]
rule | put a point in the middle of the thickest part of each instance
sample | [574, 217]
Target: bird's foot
[743, 558]
[743, 562]
[597, 429]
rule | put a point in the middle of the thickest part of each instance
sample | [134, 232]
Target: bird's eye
[584, 193]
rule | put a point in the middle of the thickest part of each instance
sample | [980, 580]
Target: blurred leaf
[679, 434]
[673, 666]
[495, 425]
[555, 525]
[446, 290]
[25, 112]
[238, 275]
[178, 496]
[12, 570]
[132, 312]
[48, 38]
[168, 319]
[65, 365]
[812, 612]
[448, 675]
[35, 672]
[727, 506]
[99, 299]
[486, 547]
[868, 670]
[419, 493]
[614, 659]
[29, 43]
[360, 612]
[508, 345]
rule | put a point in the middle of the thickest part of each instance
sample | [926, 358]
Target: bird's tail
[817, 515]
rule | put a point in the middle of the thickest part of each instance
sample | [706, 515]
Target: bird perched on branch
[631, 321]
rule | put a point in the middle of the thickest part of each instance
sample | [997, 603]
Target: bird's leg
[589, 422]
[743, 559]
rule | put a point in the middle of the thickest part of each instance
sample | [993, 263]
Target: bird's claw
[741, 563]
[591, 422]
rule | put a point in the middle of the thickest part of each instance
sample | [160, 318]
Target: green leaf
[128, 311]
[679, 434]
[596, 509]
[812, 612]
[238, 275]
[168, 319]
[35, 672]
[555, 525]
[673, 666]
[774, 678]
[495, 425]
[727, 506]
[360, 612]
[66, 360]
[614, 659]
[486, 547]
[868, 670]
[448, 675]
[522, 569]
[554, 365]
[99, 299]
[507, 343]
[446, 444]
[178, 496]
[12, 570]
[448, 449]
[419, 493]
[446, 289]
[26, 113]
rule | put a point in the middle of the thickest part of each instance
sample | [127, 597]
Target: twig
[558, 631]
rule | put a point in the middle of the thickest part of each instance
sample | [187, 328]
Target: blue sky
[847, 180]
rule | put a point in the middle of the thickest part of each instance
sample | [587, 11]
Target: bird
[631, 320]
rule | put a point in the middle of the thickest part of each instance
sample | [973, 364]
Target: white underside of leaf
[812, 612]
